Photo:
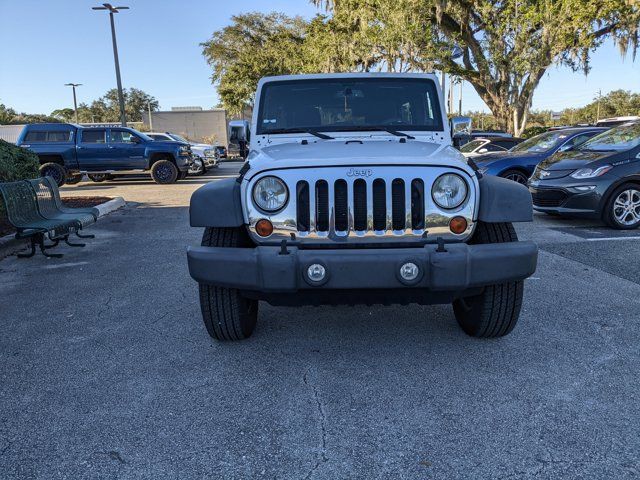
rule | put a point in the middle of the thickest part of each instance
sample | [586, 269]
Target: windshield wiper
[310, 131]
[368, 128]
[396, 133]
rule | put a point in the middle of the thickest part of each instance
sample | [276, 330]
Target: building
[10, 133]
[194, 123]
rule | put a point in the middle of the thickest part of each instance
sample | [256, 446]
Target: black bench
[23, 211]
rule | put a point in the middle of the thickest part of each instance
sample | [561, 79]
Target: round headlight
[449, 190]
[270, 194]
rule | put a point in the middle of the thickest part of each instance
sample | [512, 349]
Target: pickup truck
[67, 151]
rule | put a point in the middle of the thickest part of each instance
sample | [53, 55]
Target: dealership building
[195, 123]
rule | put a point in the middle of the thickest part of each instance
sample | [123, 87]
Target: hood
[574, 159]
[331, 153]
[167, 144]
[201, 145]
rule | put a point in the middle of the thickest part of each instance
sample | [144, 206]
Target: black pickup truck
[67, 151]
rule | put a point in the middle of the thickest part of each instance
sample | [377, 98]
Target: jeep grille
[328, 206]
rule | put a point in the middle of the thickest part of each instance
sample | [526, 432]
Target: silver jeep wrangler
[353, 194]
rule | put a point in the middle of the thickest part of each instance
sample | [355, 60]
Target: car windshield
[178, 138]
[619, 138]
[334, 105]
[541, 143]
[471, 146]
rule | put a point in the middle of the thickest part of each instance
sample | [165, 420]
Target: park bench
[23, 211]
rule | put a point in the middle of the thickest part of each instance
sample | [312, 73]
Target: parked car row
[68, 151]
[589, 172]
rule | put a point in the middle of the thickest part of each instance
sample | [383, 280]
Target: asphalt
[106, 370]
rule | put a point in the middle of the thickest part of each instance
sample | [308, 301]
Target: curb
[110, 206]
[10, 245]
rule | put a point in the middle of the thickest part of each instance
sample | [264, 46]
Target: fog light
[458, 225]
[264, 227]
[316, 272]
[409, 271]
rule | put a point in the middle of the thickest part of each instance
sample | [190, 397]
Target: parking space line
[606, 239]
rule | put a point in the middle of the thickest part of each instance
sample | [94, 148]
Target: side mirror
[135, 139]
[460, 126]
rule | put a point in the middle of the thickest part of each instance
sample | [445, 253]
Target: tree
[507, 46]
[253, 46]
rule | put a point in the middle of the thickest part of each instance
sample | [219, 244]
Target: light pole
[75, 103]
[112, 10]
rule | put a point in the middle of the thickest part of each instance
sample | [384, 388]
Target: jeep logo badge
[544, 174]
[359, 172]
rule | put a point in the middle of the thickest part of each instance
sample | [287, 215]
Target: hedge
[16, 164]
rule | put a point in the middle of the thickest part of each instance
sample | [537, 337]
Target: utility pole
[150, 120]
[598, 105]
[442, 82]
[112, 10]
[460, 100]
[75, 103]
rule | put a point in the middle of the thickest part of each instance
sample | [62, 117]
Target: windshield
[541, 143]
[619, 138]
[471, 146]
[178, 138]
[334, 105]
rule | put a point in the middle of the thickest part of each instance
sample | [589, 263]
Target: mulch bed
[74, 202]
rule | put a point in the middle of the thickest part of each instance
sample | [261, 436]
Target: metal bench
[51, 207]
[22, 212]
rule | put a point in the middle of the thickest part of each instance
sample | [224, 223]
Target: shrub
[533, 131]
[17, 163]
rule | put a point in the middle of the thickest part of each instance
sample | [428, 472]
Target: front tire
[55, 171]
[164, 172]
[622, 210]
[495, 311]
[227, 315]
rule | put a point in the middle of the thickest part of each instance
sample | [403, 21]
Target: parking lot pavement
[106, 370]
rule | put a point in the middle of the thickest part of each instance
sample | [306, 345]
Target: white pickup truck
[353, 194]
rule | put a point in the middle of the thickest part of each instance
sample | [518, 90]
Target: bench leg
[33, 250]
[44, 247]
[66, 240]
[85, 236]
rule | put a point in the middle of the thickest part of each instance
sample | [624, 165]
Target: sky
[46, 44]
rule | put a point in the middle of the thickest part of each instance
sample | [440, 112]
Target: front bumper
[267, 269]
[562, 196]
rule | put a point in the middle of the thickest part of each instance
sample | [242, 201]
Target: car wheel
[164, 172]
[98, 177]
[226, 313]
[494, 312]
[73, 179]
[55, 171]
[622, 210]
[516, 176]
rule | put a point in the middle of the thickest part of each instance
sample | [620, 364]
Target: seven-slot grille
[360, 205]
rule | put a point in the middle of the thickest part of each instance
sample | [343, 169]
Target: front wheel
[164, 172]
[55, 171]
[516, 176]
[622, 210]
[494, 312]
[226, 313]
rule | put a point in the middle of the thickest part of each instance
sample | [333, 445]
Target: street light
[75, 103]
[112, 10]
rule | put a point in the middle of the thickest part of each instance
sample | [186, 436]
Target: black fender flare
[217, 204]
[503, 200]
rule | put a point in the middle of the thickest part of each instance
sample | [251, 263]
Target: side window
[94, 135]
[59, 136]
[120, 136]
[491, 147]
[578, 139]
[35, 137]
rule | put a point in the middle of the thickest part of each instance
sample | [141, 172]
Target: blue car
[518, 163]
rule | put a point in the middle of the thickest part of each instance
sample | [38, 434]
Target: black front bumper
[562, 196]
[267, 269]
